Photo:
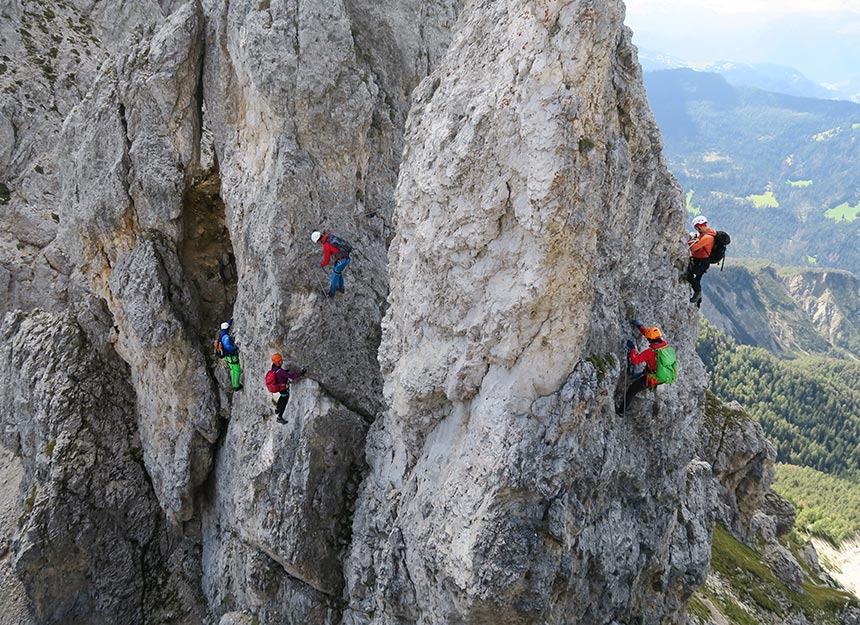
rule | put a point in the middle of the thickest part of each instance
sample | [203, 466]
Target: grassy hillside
[778, 172]
[809, 407]
[827, 506]
[744, 591]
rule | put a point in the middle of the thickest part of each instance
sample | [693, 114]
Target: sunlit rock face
[534, 214]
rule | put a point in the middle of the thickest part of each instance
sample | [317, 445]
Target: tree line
[827, 506]
[809, 407]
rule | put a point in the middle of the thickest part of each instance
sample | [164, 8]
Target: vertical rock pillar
[533, 207]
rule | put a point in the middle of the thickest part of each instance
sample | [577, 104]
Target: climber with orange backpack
[661, 366]
[337, 248]
[278, 380]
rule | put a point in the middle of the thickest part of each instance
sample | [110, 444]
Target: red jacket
[329, 250]
[649, 357]
[701, 247]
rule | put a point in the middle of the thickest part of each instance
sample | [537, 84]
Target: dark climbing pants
[282, 404]
[639, 385]
[695, 270]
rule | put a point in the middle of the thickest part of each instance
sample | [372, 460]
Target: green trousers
[235, 370]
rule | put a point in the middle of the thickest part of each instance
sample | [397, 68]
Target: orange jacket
[701, 247]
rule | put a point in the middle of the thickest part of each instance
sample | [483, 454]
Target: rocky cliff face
[453, 454]
[741, 459]
[522, 232]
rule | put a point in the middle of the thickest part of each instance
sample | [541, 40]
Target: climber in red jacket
[337, 248]
[649, 357]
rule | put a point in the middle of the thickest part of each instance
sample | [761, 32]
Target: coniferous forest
[828, 505]
[809, 407]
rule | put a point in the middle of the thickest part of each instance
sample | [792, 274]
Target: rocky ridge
[506, 479]
[788, 311]
[453, 454]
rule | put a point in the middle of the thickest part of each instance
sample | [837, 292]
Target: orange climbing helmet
[653, 333]
[276, 359]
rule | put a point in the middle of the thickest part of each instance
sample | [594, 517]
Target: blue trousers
[337, 275]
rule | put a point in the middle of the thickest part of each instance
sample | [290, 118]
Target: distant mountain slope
[770, 77]
[779, 172]
[828, 509]
[828, 506]
[767, 76]
[787, 311]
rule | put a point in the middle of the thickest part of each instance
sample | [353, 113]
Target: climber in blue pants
[339, 249]
[337, 277]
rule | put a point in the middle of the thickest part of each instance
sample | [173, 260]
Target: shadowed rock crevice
[206, 255]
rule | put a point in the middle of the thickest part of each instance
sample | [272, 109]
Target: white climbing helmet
[225, 326]
[701, 219]
[315, 235]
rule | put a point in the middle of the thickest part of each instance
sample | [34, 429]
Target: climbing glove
[304, 370]
[630, 344]
[635, 324]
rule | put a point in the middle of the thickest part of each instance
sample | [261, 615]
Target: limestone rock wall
[98, 536]
[534, 213]
[50, 56]
[135, 143]
[741, 460]
[16, 607]
[453, 454]
[129, 228]
[90, 547]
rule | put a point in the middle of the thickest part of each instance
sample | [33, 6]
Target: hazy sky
[821, 38]
[735, 7]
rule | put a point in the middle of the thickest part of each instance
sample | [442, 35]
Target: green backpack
[667, 366]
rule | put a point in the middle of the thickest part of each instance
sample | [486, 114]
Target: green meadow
[766, 200]
[843, 212]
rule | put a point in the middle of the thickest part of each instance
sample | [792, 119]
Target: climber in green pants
[231, 355]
